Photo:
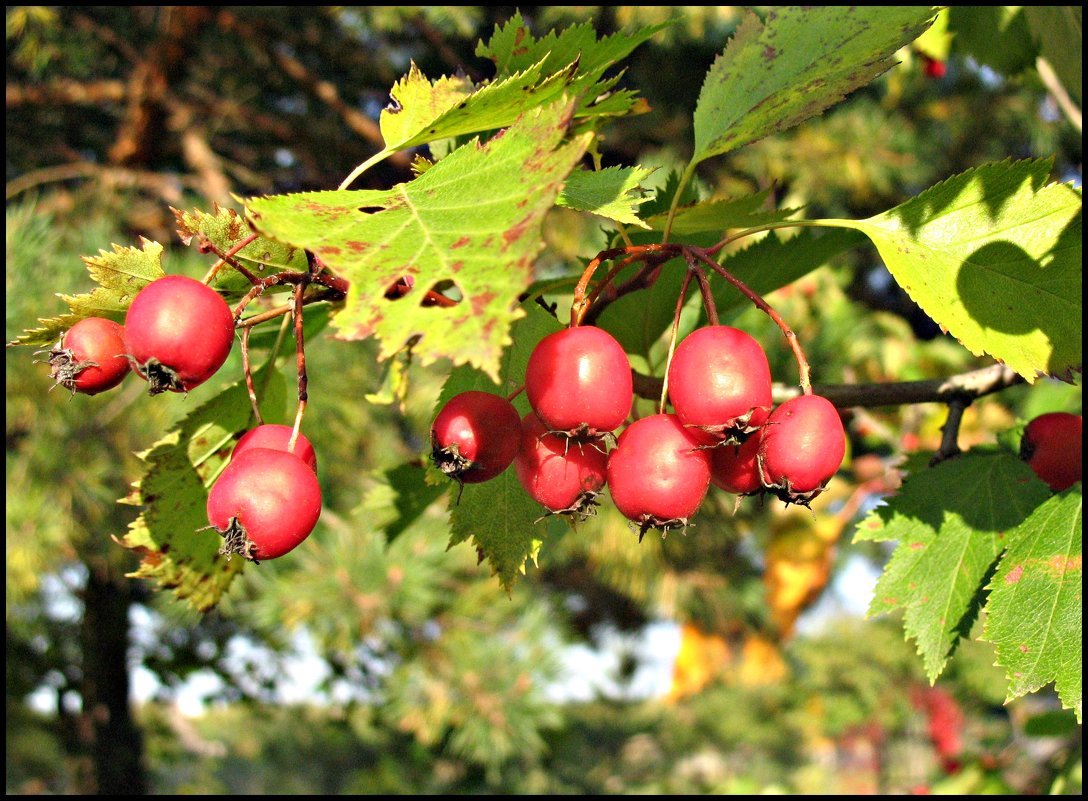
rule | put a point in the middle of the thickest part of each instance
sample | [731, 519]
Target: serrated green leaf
[801, 60]
[400, 497]
[497, 516]
[225, 228]
[473, 220]
[174, 491]
[994, 256]
[719, 215]
[119, 275]
[1034, 615]
[613, 192]
[951, 522]
[662, 200]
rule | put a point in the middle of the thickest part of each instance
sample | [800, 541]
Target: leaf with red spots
[1034, 613]
[794, 64]
[952, 523]
[465, 232]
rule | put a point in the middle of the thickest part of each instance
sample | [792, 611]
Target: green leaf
[997, 36]
[225, 228]
[1059, 32]
[993, 255]
[174, 491]
[1034, 613]
[498, 516]
[400, 497]
[119, 275]
[613, 192]
[952, 522]
[718, 215]
[775, 74]
[472, 220]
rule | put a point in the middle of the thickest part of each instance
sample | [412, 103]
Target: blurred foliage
[417, 673]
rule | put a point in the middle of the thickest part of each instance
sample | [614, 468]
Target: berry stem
[672, 340]
[248, 374]
[791, 337]
[515, 393]
[704, 289]
[300, 352]
[228, 258]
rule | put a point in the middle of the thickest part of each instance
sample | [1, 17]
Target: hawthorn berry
[720, 383]
[277, 437]
[1052, 445]
[179, 332]
[657, 473]
[90, 357]
[735, 468]
[802, 446]
[264, 504]
[579, 383]
[475, 436]
[563, 476]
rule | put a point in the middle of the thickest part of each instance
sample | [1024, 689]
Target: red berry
[475, 436]
[657, 474]
[802, 447]
[90, 357]
[276, 437]
[578, 381]
[562, 475]
[720, 383]
[1052, 446]
[264, 504]
[934, 68]
[179, 332]
[735, 468]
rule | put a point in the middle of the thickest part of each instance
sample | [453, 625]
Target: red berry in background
[933, 68]
[657, 474]
[563, 476]
[1052, 446]
[802, 446]
[735, 468]
[720, 383]
[276, 437]
[264, 504]
[90, 357]
[475, 436]
[179, 332]
[578, 381]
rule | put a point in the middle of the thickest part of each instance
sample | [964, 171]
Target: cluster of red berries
[722, 430]
[178, 332]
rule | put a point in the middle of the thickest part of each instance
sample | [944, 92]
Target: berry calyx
[90, 357]
[475, 436]
[179, 332]
[735, 468]
[657, 473]
[565, 477]
[276, 437]
[802, 446]
[579, 382]
[264, 504]
[720, 383]
[1052, 445]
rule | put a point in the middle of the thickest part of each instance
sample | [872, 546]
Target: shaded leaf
[1059, 31]
[719, 215]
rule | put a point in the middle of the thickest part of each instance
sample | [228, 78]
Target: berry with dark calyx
[802, 446]
[90, 357]
[264, 504]
[579, 382]
[277, 437]
[179, 332]
[475, 436]
[720, 383]
[735, 468]
[1052, 445]
[563, 476]
[657, 473]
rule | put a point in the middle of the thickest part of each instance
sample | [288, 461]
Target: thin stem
[951, 432]
[248, 373]
[228, 258]
[791, 337]
[300, 352]
[685, 178]
[672, 340]
[366, 165]
[704, 290]
[515, 393]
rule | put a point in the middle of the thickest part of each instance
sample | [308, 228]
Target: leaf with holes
[951, 522]
[471, 222]
[1034, 613]
[994, 256]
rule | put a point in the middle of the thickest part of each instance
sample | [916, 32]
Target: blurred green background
[731, 660]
